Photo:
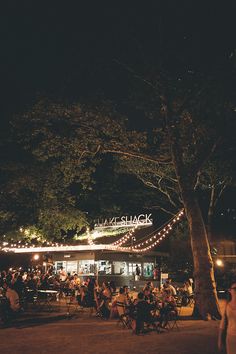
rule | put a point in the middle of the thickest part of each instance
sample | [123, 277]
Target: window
[86, 267]
[60, 264]
[132, 268]
[120, 268]
[71, 267]
[104, 267]
[148, 270]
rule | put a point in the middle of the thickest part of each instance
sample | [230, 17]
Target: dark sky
[67, 49]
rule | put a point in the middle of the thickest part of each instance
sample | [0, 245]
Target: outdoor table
[44, 298]
[51, 292]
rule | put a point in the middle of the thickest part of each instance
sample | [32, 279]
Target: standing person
[137, 272]
[227, 330]
[62, 274]
[155, 273]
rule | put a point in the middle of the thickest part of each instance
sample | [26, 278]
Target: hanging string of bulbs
[125, 238]
[90, 240]
[7, 246]
[155, 239]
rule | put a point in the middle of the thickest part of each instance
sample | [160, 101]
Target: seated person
[168, 285]
[126, 290]
[143, 313]
[121, 302]
[85, 298]
[31, 282]
[148, 296]
[157, 293]
[188, 288]
[169, 306]
[12, 304]
[187, 292]
[12, 297]
[149, 285]
[19, 287]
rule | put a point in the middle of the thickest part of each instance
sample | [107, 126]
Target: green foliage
[57, 220]
[62, 145]
[37, 194]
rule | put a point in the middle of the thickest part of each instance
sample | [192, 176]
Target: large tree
[180, 141]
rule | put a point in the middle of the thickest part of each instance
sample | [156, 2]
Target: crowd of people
[18, 287]
[152, 305]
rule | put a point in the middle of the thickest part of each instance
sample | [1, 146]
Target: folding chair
[173, 318]
[72, 306]
[124, 320]
[43, 302]
[190, 300]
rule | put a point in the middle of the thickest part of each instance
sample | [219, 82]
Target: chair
[72, 306]
[43, 301]
[173, 317]
[124, 320]
[190, 300]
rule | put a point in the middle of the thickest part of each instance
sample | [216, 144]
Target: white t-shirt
[63, 275]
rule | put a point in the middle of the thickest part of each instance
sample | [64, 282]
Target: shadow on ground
[29, 321]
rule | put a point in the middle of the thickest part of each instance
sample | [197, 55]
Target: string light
[140, 247]
[90, 240]
[124, 238]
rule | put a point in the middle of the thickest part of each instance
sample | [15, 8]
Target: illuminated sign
[125, 221]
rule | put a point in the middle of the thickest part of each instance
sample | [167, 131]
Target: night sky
[68, 50]
[71, 50]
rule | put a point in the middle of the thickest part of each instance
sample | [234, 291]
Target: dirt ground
[56, 333]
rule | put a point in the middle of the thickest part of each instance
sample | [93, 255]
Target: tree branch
[163, 209]
[166, 161]
[166, 193]
[203, 155]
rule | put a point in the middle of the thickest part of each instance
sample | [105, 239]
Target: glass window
[132, 268]
[86, 266]
[71, 267]
[148, 270]
[120, 268]
[60, 264]
[104, 267]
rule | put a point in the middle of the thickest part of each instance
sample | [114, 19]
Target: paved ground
[55, 333]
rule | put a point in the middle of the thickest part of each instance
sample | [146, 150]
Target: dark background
[69, 51]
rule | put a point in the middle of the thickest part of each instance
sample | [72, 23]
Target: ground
[56, 333]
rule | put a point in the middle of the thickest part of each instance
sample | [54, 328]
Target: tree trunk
[210, 214]
[206, 300]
